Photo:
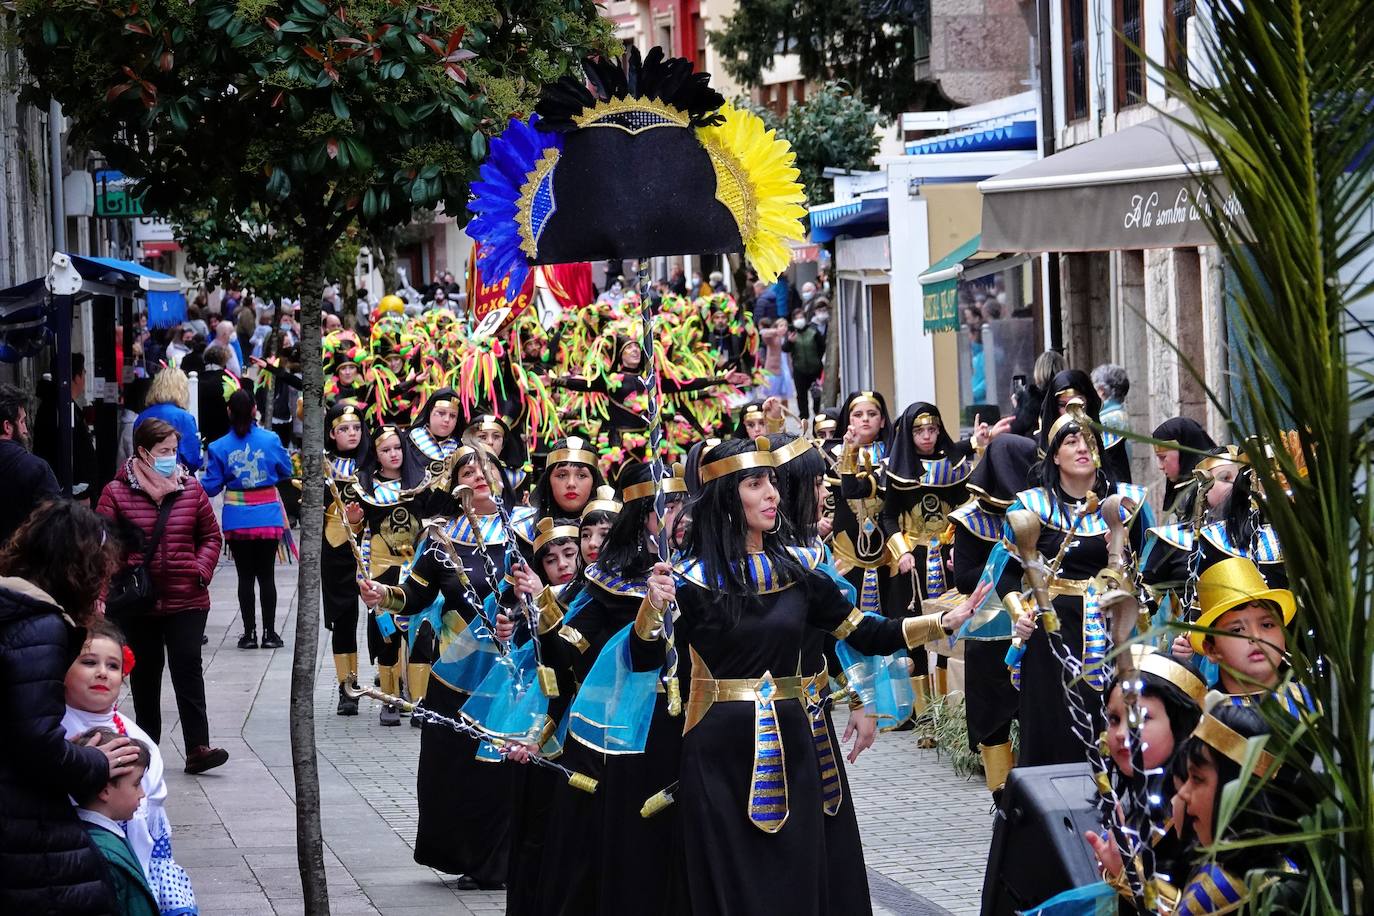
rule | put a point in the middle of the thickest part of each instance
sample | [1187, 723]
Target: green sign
[942, 307]
[114, 195]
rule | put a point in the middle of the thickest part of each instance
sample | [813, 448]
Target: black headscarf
[364, 443]
[1192, 442]
[1003, 472]
[739, 420]
[1070, 379]
[443, 394]
[842, 421]
[412, 471]
[902, 459]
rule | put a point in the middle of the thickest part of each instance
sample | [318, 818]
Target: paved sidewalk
[925, 830]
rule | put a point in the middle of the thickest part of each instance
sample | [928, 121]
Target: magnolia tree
[318, 116]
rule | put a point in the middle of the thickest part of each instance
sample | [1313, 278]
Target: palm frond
[1287, 115]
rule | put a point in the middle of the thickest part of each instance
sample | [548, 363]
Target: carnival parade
[566, 586]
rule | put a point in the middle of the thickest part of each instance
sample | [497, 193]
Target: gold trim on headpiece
[443, 402]
[792, 450]
[1233, 455]
[384, 432]
[620, 113]
[925, 419]
[486, 422]
[753, 413]
[603, 501]
[1224, 739]
[575, 452]
[524, 222]
[866, 397]
[675, 484]
[1069, 415]
[548, 531]
[350, 415]
[1071, 392]
[822, 425]
[761, 457]
[1148, 660]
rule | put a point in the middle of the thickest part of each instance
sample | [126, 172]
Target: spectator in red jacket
[181, 569]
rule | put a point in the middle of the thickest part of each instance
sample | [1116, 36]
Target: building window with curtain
[1130, 63]
[1076, 59]
[1178, 12]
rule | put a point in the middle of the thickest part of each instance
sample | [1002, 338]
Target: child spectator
[104, 813]
[93, 685]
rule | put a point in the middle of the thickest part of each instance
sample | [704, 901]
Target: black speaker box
[1038, 848]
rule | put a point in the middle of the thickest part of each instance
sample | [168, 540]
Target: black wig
[796, 482]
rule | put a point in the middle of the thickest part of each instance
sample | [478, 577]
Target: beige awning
[1136, 188]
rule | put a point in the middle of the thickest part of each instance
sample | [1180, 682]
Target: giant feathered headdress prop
[645, 159]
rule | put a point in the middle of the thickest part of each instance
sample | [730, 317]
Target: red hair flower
[128, 661]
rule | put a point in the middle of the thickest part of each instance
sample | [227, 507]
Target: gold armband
[856, 702]
[849, 459]
[649, 620]
[898, 545]
[776, 424]
[920, 630]
[574, 637]
[850, 624]
[394, 600]
[418, 579]
[550, 611]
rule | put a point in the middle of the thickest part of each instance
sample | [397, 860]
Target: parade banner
[486, 297]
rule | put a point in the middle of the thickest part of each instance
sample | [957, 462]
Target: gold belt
[707, 691]
[1072, 587]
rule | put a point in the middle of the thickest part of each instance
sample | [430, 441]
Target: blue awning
[102, 276]
[1014, 135]
[853, 217]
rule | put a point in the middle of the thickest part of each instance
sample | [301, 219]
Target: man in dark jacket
[28, 479]
[45, 440]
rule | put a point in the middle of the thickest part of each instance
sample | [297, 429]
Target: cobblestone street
[925, 829]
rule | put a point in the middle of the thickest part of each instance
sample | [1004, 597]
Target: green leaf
[361, 155]
[314, 8]
[178, 118]
[370, 204]
[50, 33]
[246, 38]
[279, 184]
[478, 146]
[336, 102]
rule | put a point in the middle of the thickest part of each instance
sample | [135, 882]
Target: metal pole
[59, 207]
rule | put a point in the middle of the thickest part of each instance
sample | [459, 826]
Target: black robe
[733, 867]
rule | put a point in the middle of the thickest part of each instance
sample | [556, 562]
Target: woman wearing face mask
[750, 789]
[1067, 506]
[152, 484]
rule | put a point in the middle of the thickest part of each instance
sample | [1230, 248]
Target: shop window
[1076, 59]
[998, 343]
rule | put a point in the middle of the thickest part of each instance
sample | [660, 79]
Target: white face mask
[822, 317]
[1002, 298]
[798, 323]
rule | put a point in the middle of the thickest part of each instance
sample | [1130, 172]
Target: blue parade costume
[1047, 734]
[464, 802]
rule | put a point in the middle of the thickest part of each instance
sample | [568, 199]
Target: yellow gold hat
[1233, 583]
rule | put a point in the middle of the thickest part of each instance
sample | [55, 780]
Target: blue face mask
[165, 465]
